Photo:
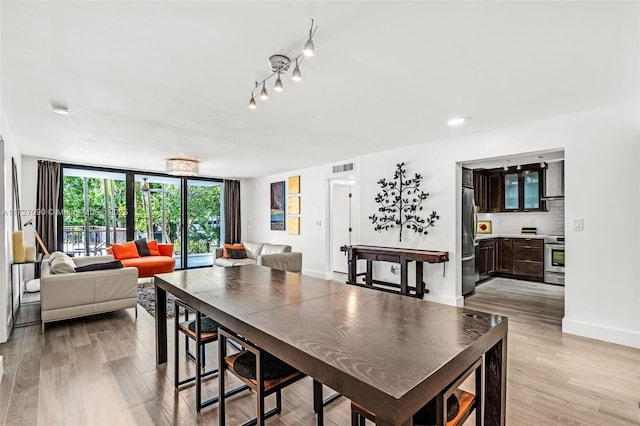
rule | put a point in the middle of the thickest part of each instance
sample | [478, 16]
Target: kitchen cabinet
[499, 190]
[487, 258]
[504, 248]
[528, 258]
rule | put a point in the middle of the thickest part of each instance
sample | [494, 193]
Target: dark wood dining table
[389, 353]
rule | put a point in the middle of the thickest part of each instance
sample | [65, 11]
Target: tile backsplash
[548, 223]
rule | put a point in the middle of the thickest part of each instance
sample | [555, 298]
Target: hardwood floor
[101, 371]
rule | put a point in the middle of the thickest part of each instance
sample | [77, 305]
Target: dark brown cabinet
[499, 190]
[504, 247]
[528, 258]
[487, 258]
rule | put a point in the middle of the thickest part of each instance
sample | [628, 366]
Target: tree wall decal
[400, 203]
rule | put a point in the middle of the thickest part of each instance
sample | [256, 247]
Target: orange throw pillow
[125, 251]
[153, 248]
[232, 246]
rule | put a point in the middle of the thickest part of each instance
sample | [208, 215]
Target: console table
[330, 330]
[16, 311]
[395, 255]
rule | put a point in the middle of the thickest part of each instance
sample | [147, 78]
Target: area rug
[147, 299]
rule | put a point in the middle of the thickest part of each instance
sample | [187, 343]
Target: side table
[16, 311]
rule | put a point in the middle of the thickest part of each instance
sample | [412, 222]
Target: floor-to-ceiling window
[106, 206]
[158, 210]
[94, 211]
[203, 221]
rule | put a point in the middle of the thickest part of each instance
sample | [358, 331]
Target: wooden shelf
[467, 403]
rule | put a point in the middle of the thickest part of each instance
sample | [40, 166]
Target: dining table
[389, 353]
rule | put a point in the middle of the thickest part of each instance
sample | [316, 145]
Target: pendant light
[297, 75]
[309, 48]
[252, 102]
[263, 93]
[278, 87]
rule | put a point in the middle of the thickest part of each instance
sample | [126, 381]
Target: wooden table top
[390, 353]
[429, 256]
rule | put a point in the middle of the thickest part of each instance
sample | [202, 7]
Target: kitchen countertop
[487, 236]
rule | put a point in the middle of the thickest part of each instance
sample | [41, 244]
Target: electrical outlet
[578, 224]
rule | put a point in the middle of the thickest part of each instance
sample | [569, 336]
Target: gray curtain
[47, 194]
[231, 211]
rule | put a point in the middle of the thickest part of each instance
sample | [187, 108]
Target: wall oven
[554, 260]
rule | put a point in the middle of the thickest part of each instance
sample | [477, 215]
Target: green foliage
[203, 210]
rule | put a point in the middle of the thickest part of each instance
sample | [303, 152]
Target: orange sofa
[147, 266]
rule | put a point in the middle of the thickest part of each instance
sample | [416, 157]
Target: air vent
[343, 168]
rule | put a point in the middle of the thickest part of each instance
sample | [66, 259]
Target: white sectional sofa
[77, 294]
[276, 256]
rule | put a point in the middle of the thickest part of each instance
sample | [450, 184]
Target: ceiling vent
[343, 168]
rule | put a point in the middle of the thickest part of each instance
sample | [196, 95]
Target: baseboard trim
[315, 274]
[451, 301]
[599, 332]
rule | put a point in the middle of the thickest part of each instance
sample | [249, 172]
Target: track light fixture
[280, 64]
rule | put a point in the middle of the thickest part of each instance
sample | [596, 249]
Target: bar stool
[262, 372]
[458, 407]
[208, 333]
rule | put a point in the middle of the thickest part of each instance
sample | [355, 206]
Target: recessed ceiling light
[60, 110]
[457, 121]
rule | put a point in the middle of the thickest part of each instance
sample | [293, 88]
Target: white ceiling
[148, 80]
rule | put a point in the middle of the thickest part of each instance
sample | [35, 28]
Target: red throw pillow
[153, 248]
[127, 250]
[230, 246]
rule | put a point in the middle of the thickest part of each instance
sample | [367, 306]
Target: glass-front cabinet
[513, 190]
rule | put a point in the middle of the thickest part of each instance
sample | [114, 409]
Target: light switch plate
[578, 224]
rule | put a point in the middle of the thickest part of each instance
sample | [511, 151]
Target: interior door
[340, 225]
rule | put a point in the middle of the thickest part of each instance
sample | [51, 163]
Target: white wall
[602, 294]
[9, 150]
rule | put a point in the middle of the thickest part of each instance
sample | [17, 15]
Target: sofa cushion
[226, 247]
[60, 263]
[253, 249]
[150, 265]
[275, 248]
[127, 250]
[99, 266]
[142, 247]
[221, 261]
[154, 249]
[236, 253]
[165, 249]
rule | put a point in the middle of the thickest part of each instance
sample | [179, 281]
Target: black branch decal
[400, 204]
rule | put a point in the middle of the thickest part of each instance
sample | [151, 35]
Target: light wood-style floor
[101, 371]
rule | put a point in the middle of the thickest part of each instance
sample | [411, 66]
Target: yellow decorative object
[484, 227]
[18, 246]
[30, 253]
[293, 225]
[294, 205]
[294, 185]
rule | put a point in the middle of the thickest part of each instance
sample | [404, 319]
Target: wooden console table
[395, 255]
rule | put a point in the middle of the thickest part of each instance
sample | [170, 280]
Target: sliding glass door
[94, 211]
[158, 210]
[203, 221]
[106, 206]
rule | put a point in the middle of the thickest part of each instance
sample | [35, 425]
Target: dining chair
[458, 407]
[262, 372]
[208, 333]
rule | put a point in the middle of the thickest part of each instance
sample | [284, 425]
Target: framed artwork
[293, 205]
[294, 185]
[484, 227]
[293, 225]
[277, 206]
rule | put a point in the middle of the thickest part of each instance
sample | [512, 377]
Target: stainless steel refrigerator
[470, 273]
